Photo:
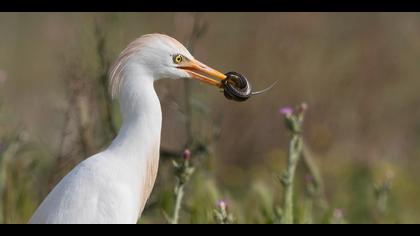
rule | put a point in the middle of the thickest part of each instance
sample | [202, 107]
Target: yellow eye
[178, 59]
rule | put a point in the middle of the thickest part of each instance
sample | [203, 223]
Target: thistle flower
[183, 171]
[186, 155]
[286, 111]
[222, 214]
[293, 119]
[222, 204]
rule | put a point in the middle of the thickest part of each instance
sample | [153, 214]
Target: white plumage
[114, 185]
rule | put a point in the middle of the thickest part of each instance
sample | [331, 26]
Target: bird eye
[178, 59]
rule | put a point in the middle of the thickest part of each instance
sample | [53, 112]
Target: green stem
[179, 194]
[295, 149]
[313, 170]
[308, 209]
[6, 184]
[318, 191]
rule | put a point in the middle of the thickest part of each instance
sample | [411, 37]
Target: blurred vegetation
[357, 72]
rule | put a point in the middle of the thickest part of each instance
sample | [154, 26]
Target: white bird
[114, 185]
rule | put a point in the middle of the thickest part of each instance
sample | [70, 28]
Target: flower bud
[187, 154]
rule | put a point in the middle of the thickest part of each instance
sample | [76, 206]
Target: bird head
[164, 58]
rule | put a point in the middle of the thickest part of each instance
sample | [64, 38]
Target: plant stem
[179, 194]
[295, 149]
[317, 190]
[183, 172]
[308, 210]
[6, 183]
[313, 170]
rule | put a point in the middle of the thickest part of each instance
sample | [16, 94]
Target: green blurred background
[358, 73]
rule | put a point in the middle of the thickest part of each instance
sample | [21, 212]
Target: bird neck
[141, 115]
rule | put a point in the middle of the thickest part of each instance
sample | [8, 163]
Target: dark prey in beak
[237, 87]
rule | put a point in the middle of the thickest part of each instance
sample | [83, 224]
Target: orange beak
[201, 72]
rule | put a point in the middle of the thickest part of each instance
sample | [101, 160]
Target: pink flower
[286, 111]
[222, 204]
[187, 154]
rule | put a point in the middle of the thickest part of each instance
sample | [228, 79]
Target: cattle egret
[114, 185]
